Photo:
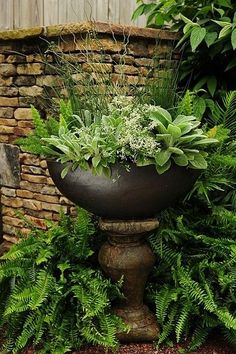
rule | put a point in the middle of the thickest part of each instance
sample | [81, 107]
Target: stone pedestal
[127, 254]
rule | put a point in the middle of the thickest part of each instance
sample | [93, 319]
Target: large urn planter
[127, 203]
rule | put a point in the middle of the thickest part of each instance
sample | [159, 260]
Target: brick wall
[25, 79]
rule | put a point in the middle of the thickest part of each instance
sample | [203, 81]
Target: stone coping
[83, 27]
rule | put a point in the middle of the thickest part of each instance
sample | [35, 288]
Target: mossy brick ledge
[26, 79]
[84, 27]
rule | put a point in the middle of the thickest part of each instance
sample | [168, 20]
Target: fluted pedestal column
[126, 253]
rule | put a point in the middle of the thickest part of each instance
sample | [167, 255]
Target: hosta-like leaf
[162, 157]
[174, 131]
[181, 160]
[161, 115]
[164, 168]
[199, 162]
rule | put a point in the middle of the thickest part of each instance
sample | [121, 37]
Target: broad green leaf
[138, 12]
[210, 38]
[159, 20]
[162, 157]
[233, 39]
[196, 37]
[181, 160]
[205, 141]
[96, 160]
[199, 107]
[174, 131]
[211, 85]
[225, 3]
[199, 162]
[222, 23]
[200, 83]
[162, 169]
[162, 115]
[65, 171]
[225, 31]
[187, 20]
[175, 150]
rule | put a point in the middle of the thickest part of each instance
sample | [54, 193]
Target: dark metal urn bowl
[135, 194]
[127, 203]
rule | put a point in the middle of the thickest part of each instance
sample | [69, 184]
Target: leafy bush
[209, 38]
[193, 285]
[51, 295]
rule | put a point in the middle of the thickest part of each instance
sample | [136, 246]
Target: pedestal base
[142, 323]
[127, 254]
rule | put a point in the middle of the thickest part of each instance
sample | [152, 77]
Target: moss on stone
[21, 33]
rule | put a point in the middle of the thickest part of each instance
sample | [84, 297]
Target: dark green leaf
[138, 12]
[211, 85]
[210, 38]
[196, 37]
[233, 39]
[231, 64]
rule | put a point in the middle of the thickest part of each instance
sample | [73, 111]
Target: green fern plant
[52, 298]
[193, 286]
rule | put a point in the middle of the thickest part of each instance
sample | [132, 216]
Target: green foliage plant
[53, 296]
[193, 285]
[208, 37]
[130, 132]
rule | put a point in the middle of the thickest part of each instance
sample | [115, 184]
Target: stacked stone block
[25, 79]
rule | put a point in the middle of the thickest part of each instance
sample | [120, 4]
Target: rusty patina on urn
[127, 203]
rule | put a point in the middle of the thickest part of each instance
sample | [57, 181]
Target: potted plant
[124, 158]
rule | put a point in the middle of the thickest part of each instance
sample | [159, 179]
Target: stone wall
[25, 79]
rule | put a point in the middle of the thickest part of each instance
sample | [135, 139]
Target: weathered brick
[127, 79]
[6, 81]
[47, 198]
[2, 58]
[93, 45]
[43, 163]
[50, 181]
[15, 58]
[34, 178]
[10, 239]
[13, 221]
[24, 193]
[11, 230]
[6, 112]
[144, 62]
[40, 223]
[126, 69]
[24, 80]
[27, 101]
[33, 170]
[33, 187]
[7, 101]
[65, 201]
[7, 70]
[123, 59]
[31, 91]
[30, 69]
[49, 80]
[97, 67]
[12, 202]
[6, 130]
[50, 190]
[8, 192]
[8, 91]
[43, 214]
[9, 122]
[29, 159]
[8, 211]
[53, 207]
[137, 49]
[4, 139]
[21, 131]
[23, 114]
[32, 204]
[25, 124]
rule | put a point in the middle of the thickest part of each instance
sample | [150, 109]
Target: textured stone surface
[10, 167]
